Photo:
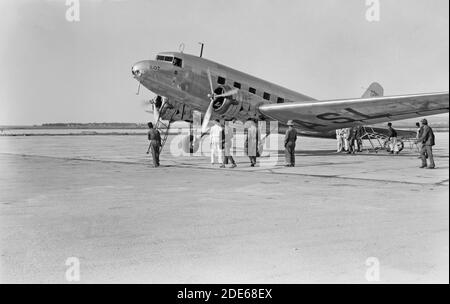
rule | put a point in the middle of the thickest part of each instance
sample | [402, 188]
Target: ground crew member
[252, 142]
[215, 135]
[358, 139]
[155, 144]
[351, 137]
[418, 135]
[228, 135]
[289, 144]
[340, 140]
[427, 140]
[392, 137]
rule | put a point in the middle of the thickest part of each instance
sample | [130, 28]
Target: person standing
[358, 138]
[427, 140]
[351, 137]
[228, 134]
[252, 142]
[215, 135]
[345, 134]
[289, 144]
[418, 135]
[392, 137]
[340, 140]
[155, 144]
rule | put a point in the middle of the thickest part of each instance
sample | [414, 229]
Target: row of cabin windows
[266, 96]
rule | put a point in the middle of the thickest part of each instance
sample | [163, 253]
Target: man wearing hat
[427, 141]
[289, 144]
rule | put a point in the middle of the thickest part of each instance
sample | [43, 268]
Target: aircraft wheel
[400, 145]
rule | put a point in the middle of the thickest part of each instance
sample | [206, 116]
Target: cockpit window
[174, 60]
[164, 58]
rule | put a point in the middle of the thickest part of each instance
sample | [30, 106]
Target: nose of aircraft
[139, 68]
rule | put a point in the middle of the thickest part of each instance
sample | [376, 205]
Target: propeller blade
[210, 82]
[229, 93]
[207, 117]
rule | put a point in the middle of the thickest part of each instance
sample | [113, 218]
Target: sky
[52, 70]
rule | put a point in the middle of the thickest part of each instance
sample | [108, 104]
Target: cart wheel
[400, 145]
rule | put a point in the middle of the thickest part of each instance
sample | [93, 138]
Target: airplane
[185, 84]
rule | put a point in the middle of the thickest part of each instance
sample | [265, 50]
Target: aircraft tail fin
[374, 90]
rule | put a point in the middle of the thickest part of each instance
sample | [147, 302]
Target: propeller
[212, 97]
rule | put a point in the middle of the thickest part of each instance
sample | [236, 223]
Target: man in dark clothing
[358, 138]
[289, 143]
[428, 141]
[351, 141]
[392, 137]
[155, 144]
[419, 133]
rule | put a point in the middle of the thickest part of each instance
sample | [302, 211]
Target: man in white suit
[216, 138]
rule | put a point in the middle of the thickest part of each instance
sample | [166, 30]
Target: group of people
[221, 143]
[222, 139]
[349, 140]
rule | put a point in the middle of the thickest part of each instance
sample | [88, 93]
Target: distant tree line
[96, 125]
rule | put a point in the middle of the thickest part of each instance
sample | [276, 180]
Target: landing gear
[165, 114]
[191, 143]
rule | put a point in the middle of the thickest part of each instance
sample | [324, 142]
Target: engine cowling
[225, 106]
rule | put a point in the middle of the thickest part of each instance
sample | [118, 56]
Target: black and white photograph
[216, 142]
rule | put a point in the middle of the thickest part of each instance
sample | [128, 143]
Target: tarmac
[327, 220]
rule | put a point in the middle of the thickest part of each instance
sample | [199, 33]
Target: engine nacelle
[222, 105]
[238, 106]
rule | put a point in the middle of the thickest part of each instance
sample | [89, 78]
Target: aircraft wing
[336, 114]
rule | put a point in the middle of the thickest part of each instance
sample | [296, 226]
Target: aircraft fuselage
[182, 79]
